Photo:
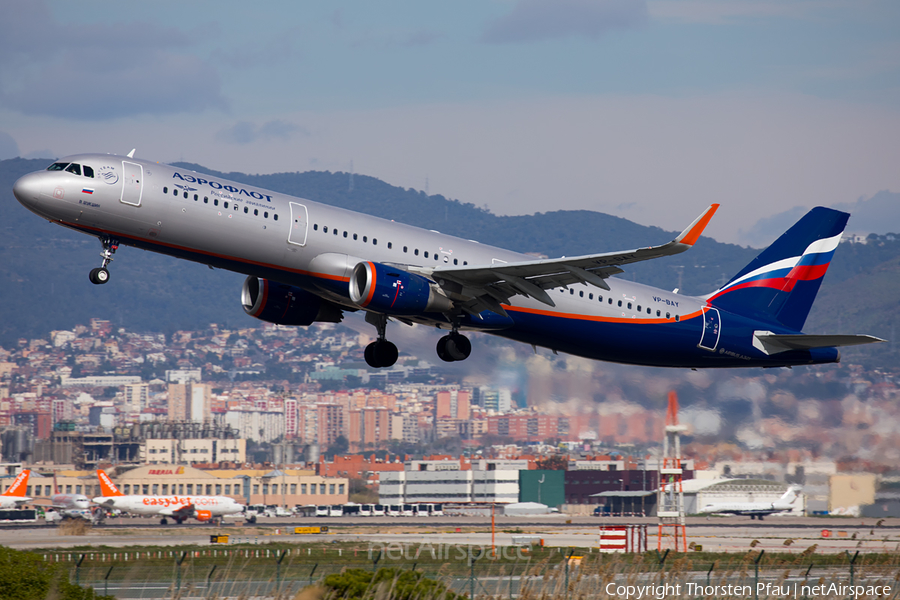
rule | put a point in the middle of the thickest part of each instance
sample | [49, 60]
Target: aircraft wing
[184, 511]
[478, 288]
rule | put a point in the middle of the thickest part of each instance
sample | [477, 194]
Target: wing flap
[774, 343]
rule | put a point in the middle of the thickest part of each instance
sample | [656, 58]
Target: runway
[725, 534]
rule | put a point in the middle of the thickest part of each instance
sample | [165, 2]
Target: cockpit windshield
[73, 168]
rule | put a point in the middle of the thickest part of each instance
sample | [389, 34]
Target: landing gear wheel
[454, 347]
[99, 275]
[163, 521]
[381, 353]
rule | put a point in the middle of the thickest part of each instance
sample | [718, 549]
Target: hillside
[44, 283]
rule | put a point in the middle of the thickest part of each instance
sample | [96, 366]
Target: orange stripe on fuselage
[597, 318]
[223, 256]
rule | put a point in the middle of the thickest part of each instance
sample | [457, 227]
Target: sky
[646, 109]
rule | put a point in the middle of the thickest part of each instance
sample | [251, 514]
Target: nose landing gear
[100, 275]
[380, 353]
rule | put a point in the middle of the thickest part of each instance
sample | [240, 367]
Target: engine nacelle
[393, 291]
[203, 515]
[282, 304]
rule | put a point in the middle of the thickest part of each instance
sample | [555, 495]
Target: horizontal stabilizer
[773, 343]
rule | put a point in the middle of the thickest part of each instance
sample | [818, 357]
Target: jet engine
[393, 291]
[282, 304]
[203, 515]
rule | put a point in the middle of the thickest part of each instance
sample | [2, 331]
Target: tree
[556, 462]
[340, 445]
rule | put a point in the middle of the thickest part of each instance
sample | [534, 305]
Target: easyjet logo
[18, 485]
[179, 501]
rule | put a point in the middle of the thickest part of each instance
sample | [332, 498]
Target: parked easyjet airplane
[14, 496]
[179, 508]
[310, 262]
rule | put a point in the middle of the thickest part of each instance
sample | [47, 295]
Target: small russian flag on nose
[87, 191]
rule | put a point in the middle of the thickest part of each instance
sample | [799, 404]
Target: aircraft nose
[27, 188]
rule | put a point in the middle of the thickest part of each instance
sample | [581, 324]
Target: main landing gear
[380, 353]
[453, 347]
[101, 274]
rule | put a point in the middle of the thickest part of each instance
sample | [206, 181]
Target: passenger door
[132, 183]
[299, 225]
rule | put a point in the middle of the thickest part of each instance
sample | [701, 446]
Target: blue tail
[781, 283]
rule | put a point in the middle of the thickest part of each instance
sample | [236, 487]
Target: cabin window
[590, 296]
[657, 313]
[648, 310]
[74, 168]
[581, 293]
[455, 261]
[216, 201]
[88, 172]
[266, 215]
[435, 256]
[365, 238]
[196, 197]
[355, 236]
[426, 254]
[465, 262]
[225, 204]
[677, 317]
[620, 304]
[165, 190]
[174, 192]
[324, 228]
[416, 252]
[405, 249]
[629, 306]
[345, 234]
[610, 301]
[246, 210]
[639, 307]
[185, 195]
[205, 199]
[668, 315]
[315, 227]
[335, 231]
[571, 291]
[390, 245]
[374, 241]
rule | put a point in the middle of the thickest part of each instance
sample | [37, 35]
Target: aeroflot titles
[218, 186]
[179, 500]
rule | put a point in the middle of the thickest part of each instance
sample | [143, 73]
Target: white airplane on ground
[180, 508]
[756, 510]
[70, 506]
[14, 496]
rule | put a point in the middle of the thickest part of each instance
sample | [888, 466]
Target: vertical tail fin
[19, 485]
[781, 283]
[107, 487]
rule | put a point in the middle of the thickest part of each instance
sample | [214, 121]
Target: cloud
[8, 146]
[245, 132]
[717, 12]
[537, 20]
[54, 69]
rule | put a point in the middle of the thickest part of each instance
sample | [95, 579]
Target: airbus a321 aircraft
[14, 496]
[310, 262]
[756, 510]
[179, 508]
